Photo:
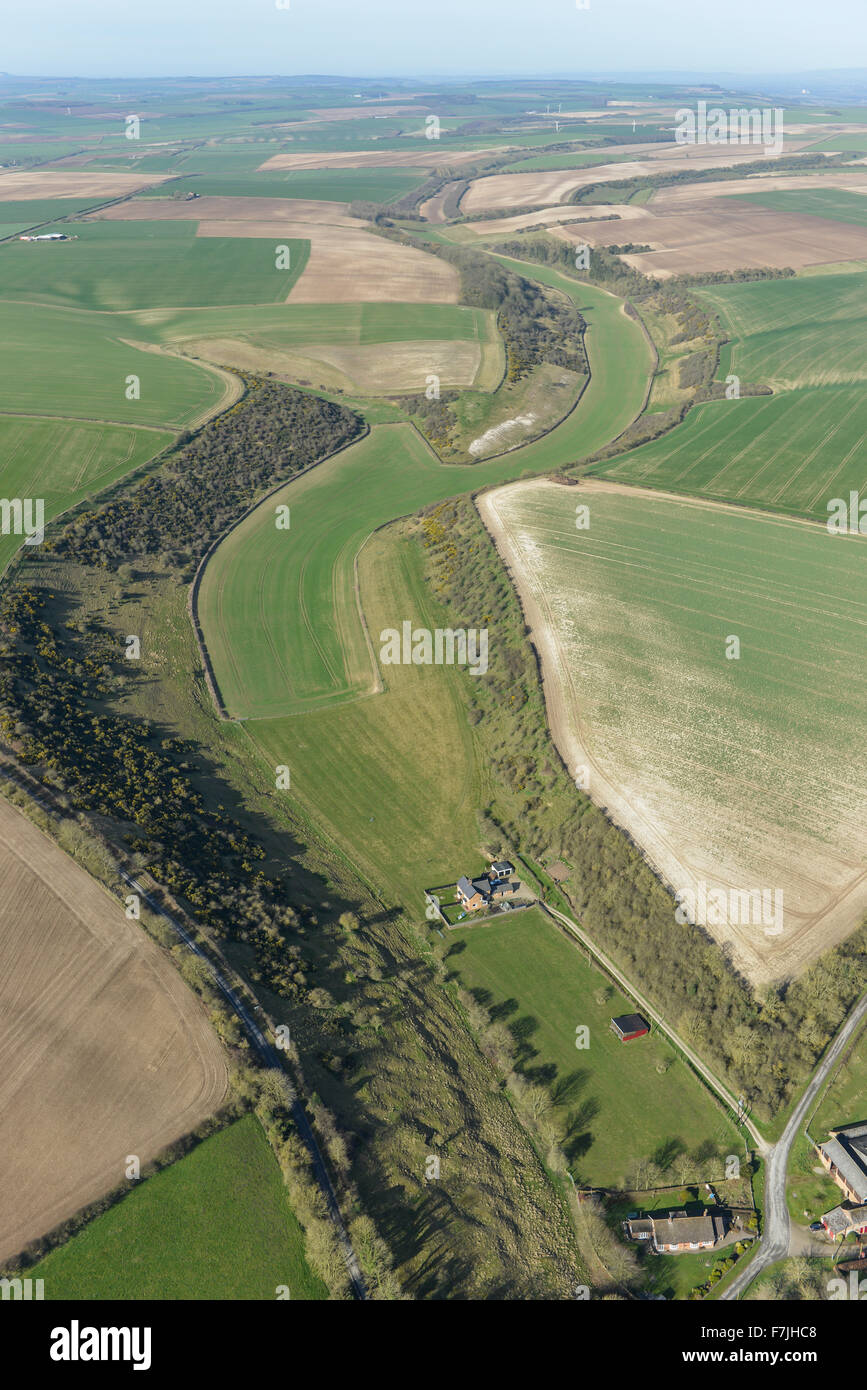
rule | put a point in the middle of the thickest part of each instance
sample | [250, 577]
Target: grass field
[310, 651]
[355, 767]
[617, 1102]
[136, 265]
[215, 1225]
[793, 451]
[790, 453]
[796, 332]
[332, 185]
[75, 363]
[726, 771]
[834, 203]
[567, 159]
[61, 461]
[293, 325]
[845, 1101]
[34, 211]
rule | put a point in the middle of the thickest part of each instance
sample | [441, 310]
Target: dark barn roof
[630, 1023]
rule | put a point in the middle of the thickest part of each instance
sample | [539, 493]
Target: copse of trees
[537, 326]
[272, 433]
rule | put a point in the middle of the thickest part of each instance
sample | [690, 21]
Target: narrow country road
[774, 1242]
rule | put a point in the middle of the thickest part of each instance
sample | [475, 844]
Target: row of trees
[764, 1046]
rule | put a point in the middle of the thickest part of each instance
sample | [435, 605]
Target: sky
[141, 38]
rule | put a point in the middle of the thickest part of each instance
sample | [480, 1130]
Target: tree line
[764, 1045]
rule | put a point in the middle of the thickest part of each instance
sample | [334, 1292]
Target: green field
[310, 651]
[793, 451]
[726, 770]
[355, 766]
[835, 203]
[621, 1102]
[332, 185]
[215, 1225]
[136, 265]
[568, 160]
[18, 216]
[62, 461]
[845, 1101]
[75, 363]
[796, 332]
[294, 325]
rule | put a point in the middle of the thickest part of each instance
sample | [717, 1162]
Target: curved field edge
[301, 580]
[719, 769]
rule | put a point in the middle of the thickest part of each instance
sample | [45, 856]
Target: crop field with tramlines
[722, 758]
[138, 265]
[61, 461]
[797, 449]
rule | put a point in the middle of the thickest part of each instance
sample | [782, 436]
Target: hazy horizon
[388, 38]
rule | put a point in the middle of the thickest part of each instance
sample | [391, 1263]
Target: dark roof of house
[847, 1150]
[630, 1023]
[502, 866]
[642, 1225]
[505, 886]
[482, 885]
[679, 1229]
[464, 886]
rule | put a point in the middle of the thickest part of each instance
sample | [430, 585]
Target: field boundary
[193, 596]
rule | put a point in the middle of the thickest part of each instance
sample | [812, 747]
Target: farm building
[845, 1157]
[46, 236]
[629, 1026]
[842, 1221]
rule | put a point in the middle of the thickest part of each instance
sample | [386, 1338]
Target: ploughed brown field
[71, 183]
[377, 159]
[722, 234]
[553, 185]
[104, 1051]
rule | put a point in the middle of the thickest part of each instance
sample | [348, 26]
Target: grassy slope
[389, 474]
[63, 460]
[633, 1100]
[215, 1225]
